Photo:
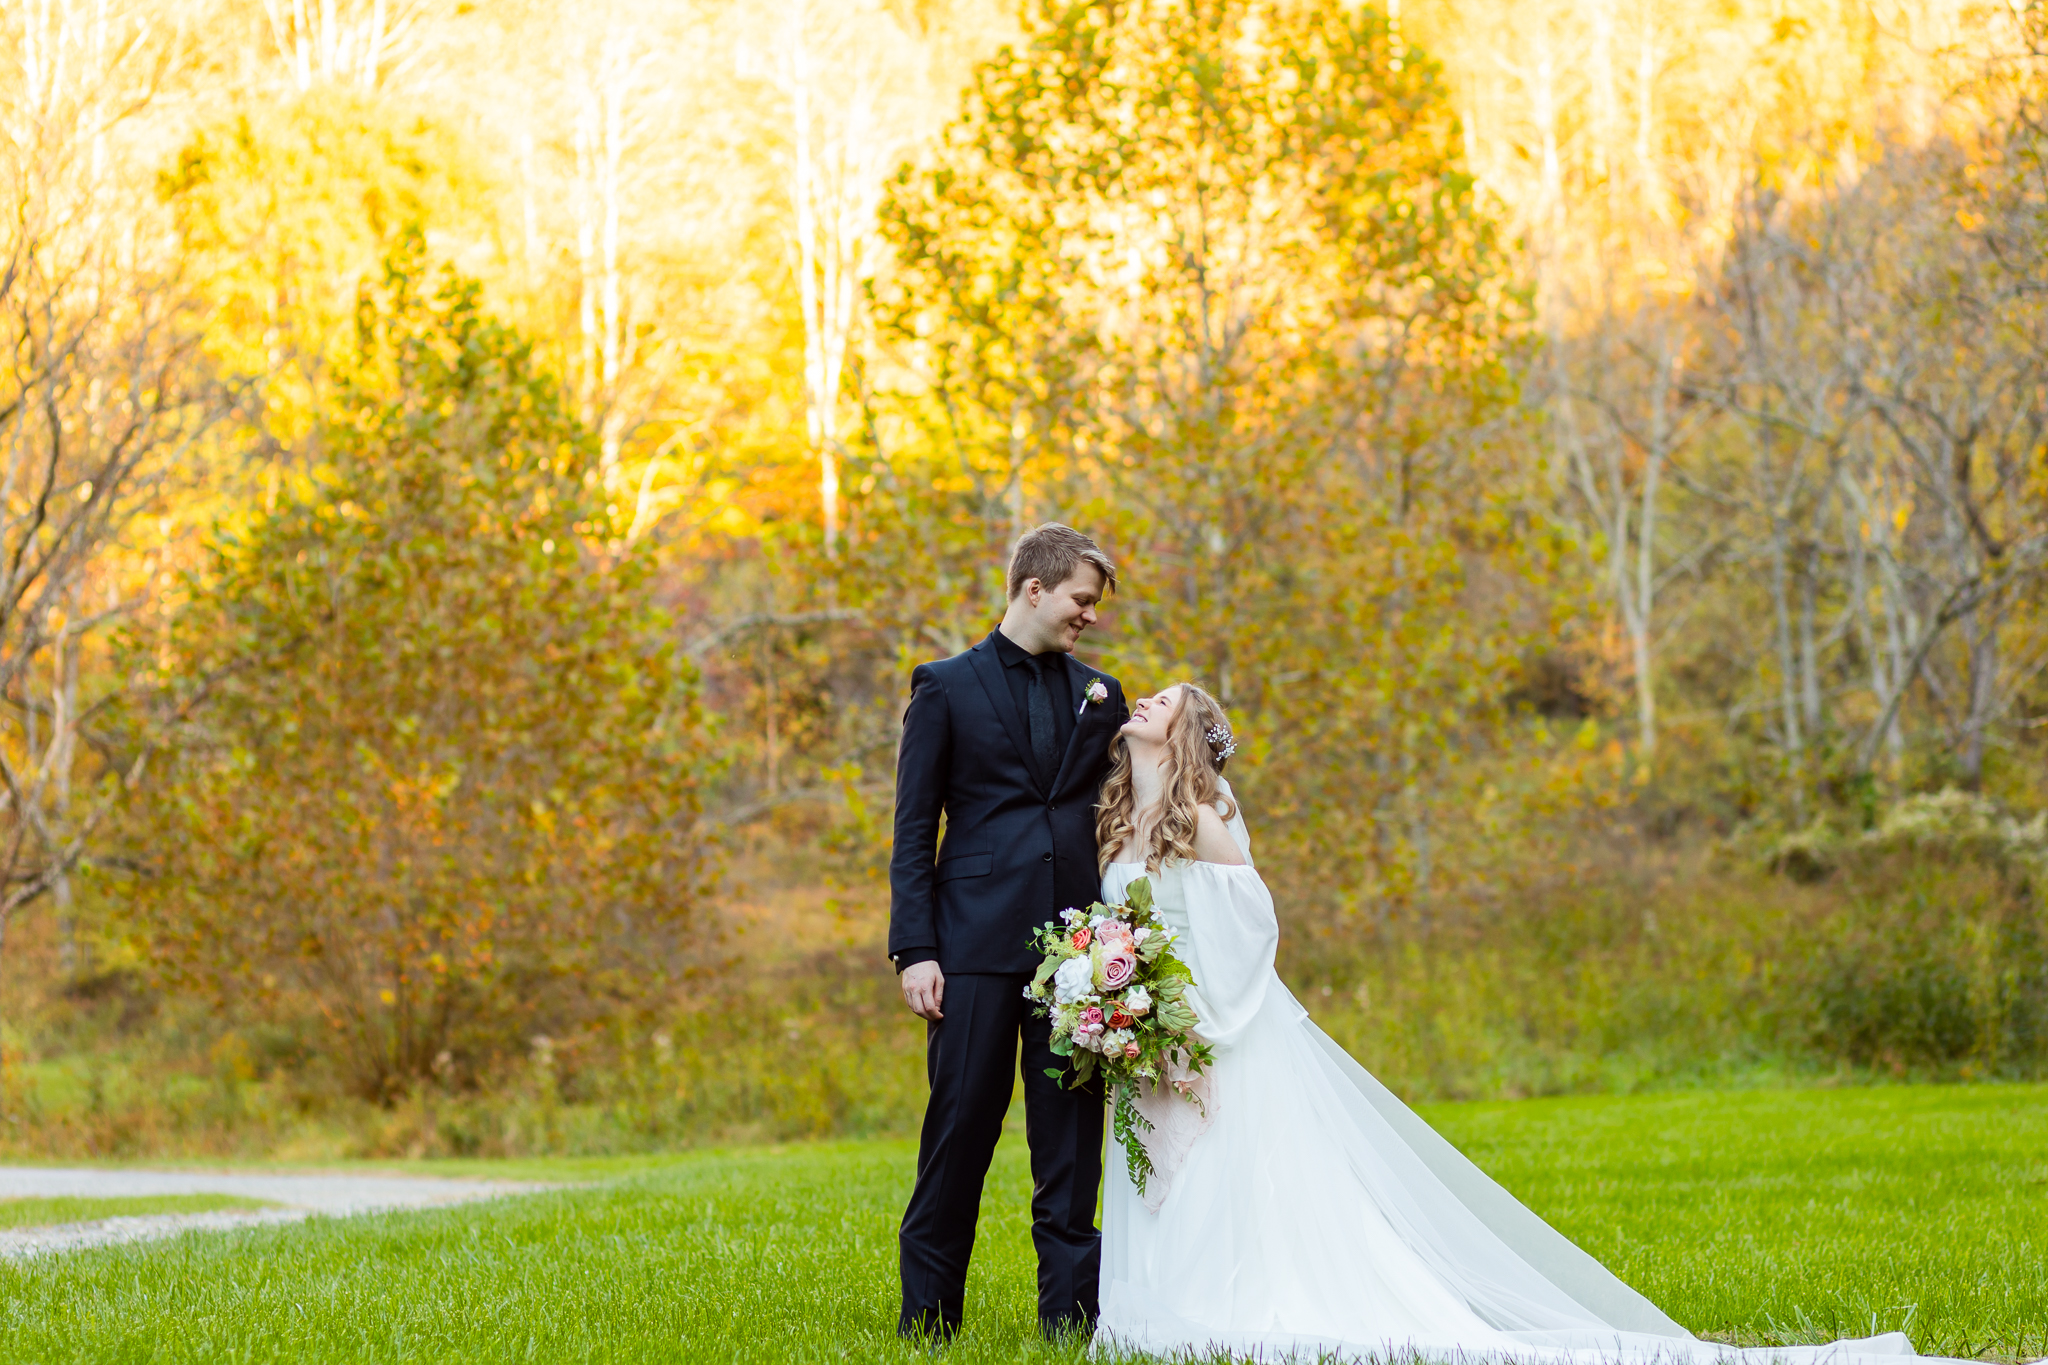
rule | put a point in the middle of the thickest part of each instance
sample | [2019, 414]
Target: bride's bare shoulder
[1213, 843]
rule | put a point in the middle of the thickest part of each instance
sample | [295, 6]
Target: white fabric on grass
[1314, 1215]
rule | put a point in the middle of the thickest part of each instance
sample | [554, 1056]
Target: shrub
[1935, 965]
[436, 752]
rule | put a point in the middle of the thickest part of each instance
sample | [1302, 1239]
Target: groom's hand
[924, 989]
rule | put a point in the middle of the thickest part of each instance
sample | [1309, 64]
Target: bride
[1302, 1210]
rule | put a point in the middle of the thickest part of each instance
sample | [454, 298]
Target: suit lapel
[989, 669]
[1079, 675]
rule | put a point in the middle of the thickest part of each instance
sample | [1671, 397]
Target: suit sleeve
[922, 759]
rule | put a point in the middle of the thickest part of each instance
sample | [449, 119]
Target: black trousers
[971, 1058]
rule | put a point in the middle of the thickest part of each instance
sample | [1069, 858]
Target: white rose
[1137, 1000]
[1074, 979]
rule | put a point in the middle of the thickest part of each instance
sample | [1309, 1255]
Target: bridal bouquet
[1117, 996]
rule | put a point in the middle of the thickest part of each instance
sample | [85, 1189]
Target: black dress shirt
[1017, 672]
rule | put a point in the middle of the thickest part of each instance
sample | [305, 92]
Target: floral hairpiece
[1222, 744]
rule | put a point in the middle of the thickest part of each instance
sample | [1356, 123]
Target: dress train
[1312, 1215]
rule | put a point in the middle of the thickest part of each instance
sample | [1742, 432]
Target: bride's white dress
[1315, 1215]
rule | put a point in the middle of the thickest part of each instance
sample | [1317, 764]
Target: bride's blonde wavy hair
[1190, 771]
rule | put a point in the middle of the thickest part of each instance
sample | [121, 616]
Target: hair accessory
[1222, 744]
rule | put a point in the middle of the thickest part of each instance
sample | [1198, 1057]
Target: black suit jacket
[1016, 853]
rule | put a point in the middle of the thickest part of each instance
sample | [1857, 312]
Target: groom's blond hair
[1051, 553]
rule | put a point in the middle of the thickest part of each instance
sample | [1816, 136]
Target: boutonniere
[1097, 691]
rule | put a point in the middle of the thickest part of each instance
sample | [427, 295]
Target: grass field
[40, 1212]
[1759, 1216]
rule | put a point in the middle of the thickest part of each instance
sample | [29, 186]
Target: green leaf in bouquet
[1062, 1047]
[1045, 971]
[1129, 1126]
[1138, 895]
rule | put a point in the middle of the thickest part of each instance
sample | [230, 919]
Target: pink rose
[1091, 1015]
[1131, 1051]
[1118, 969]
[1113, 931]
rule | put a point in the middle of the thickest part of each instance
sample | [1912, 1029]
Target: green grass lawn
[38, 1213]
[1757, 1216]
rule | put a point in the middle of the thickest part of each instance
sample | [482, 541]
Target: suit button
[1048, 857]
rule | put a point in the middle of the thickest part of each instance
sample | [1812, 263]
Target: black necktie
[1045, 749]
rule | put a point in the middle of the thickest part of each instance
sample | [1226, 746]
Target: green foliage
[1208, 278]
[437, 753]
[1211, 281]
[1940, 960]
[1608, 966]
[1128, 1126]
[1931, 985]
[1707, 1203]
[812, 1049]
[1638, 968]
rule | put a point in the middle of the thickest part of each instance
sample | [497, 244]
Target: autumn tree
[437, 754]
[1858, 478]
[1211, 279]
[851, 78]
[102, 397]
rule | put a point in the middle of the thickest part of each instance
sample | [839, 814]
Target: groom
[1009, 743]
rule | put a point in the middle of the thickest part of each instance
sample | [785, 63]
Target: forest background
[478, 476]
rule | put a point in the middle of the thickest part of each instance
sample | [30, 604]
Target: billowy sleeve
[1232, 938]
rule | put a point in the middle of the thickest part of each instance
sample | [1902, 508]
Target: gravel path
[302, 1196]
